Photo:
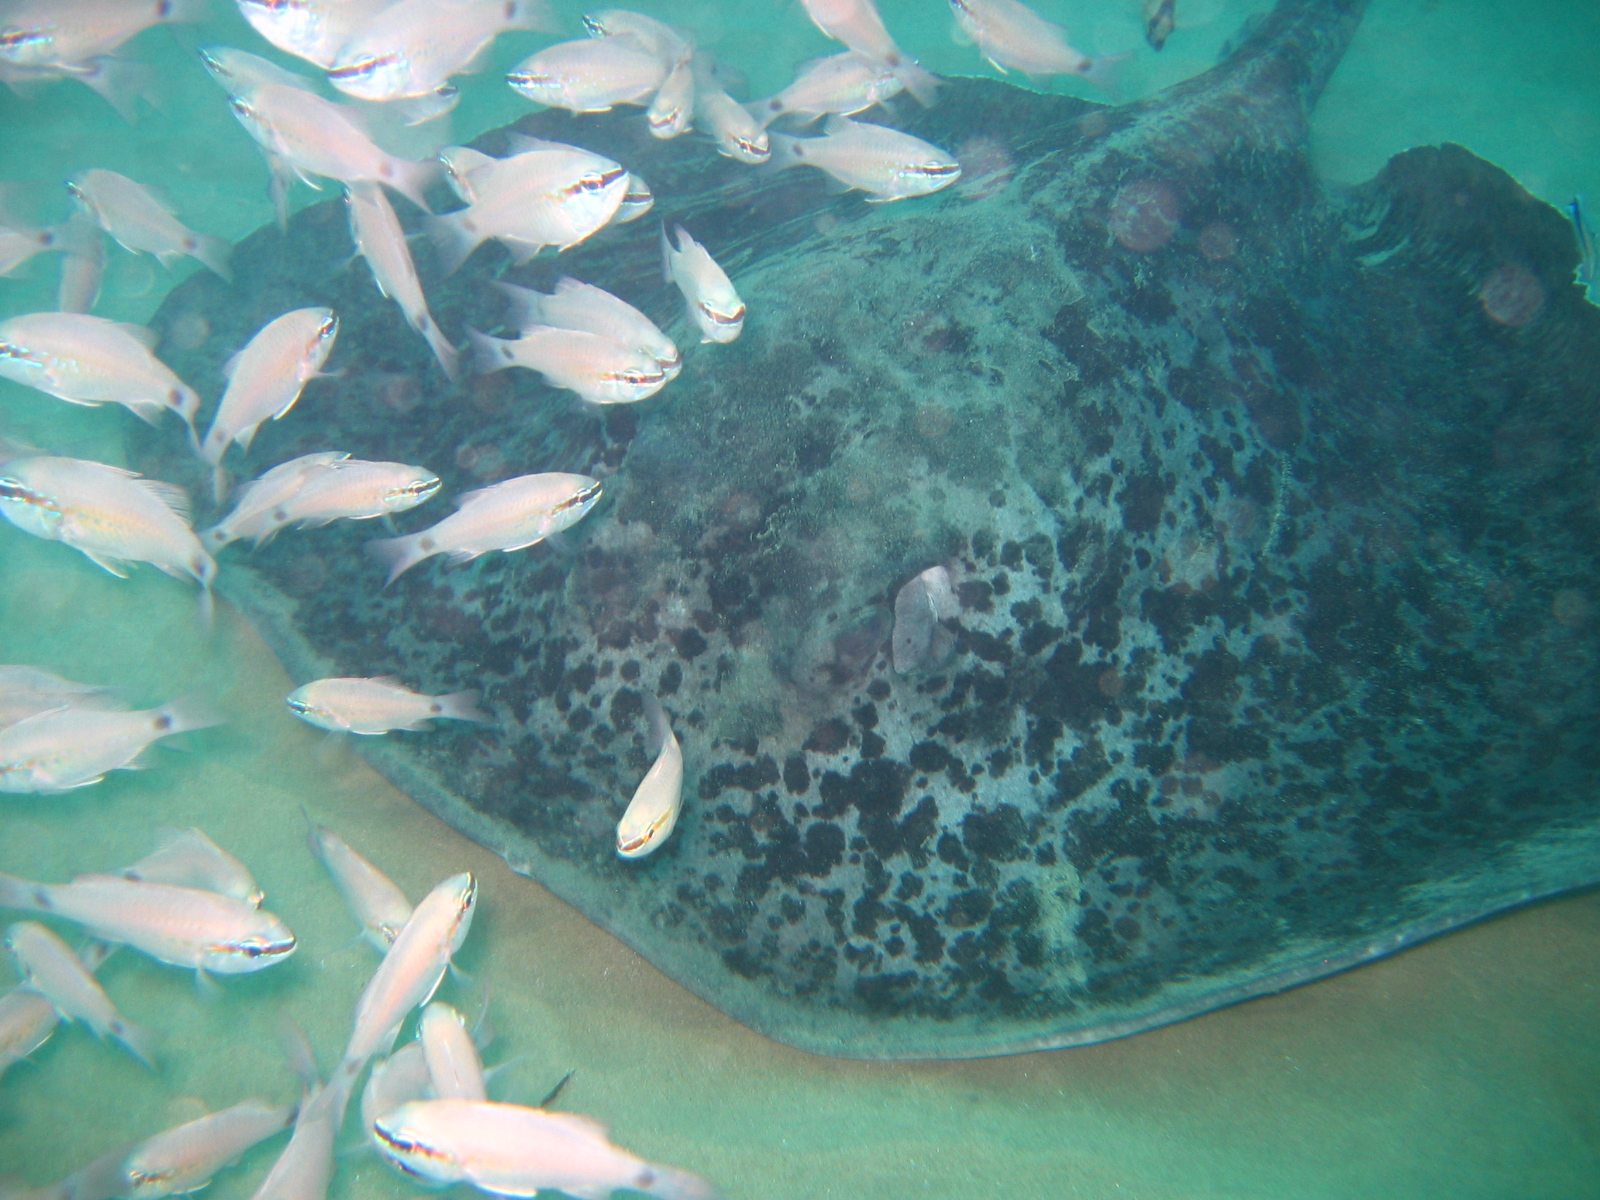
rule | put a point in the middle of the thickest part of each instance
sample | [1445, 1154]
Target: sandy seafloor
[1468, 1068]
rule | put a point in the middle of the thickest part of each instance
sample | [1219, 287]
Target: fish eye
[328, 328]
[12, 39]
[240, 108]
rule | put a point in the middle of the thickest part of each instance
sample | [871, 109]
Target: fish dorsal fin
[170, 494]
[116, 566]
[143, 334]
[521, 143]
[389, 681]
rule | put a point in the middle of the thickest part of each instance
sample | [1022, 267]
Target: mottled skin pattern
[1271, 512]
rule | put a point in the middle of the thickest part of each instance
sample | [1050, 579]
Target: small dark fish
[1159, 21]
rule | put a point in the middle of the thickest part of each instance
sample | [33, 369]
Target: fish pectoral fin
[141, 761]
[309, 180]
[418, 726]
[116, 566]
[206, 986]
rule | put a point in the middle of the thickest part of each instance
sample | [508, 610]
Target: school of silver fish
[380, 65]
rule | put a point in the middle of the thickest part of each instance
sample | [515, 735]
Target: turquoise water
[1465, 1068]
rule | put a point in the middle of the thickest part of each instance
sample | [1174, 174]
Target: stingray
[1255, 522]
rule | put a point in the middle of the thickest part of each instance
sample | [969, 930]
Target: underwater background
[1468, 1067]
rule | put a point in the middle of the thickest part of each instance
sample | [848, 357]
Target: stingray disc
[1269, 511]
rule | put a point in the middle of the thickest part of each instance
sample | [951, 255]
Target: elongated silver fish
[266, 379]
[27, 1020]
[382, 242]
[419, 44]
[371, 896]
[652, 814]
[51, 968]
[378, 706]
[112, 516]
[857, 24]
[712, 303]
[311, 29]
[141, 223]
[305, 1168]
[511, 515]
[55, 33]
[593, 75]
[188, 858]
[548, 195]
[184, 927]
[89, 360]
[65, 748]
[411, 970]
[511, 1150]
[845, 84]
[454, 1067]
[738, 134]
[314, 489]
[584, 307]
[1011, 35]
[600, 370]
[25, 691]
[884, 163]
[184, 1158]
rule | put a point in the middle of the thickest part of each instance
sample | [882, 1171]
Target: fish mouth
[415, 492]
[666, 120]
[16, 353]
[329, 329]
[727, 320]
[592, 492]
[524, 79]
[258, 948]
[17, 39]
[19, 492]
[594, 26]
[300, 708]
[754, 148]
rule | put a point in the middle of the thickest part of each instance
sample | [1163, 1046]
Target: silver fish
[511, 1150]
[311, 29]
[672, 109]
[1011, 35]
[83, 265]
[396, 1080]
[50, 968]
[884, 163]
[668, 43]
[738, 134]
[550, 195]
[51, 33]
[305, 1168]
[591, 76]
[845, 84]
[712, 303]
[420, 44]
[316, 489]
[857, 24]
[256, 511]
[652, 814]
[598, 369]
[584, 307]
[25, 691]
[183, 927]
[411, 970]
[89, 360]
[112, 516]
[371, 896]
[188, 858]
[454, 1068]
[20, 243]
[382, 242]
[378, 706]
[266, 379]
[141, 223]
[65, 748]
[184, 1158]
[27, 1020]
[511, 515]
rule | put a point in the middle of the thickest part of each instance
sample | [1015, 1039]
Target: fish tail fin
[184, 12]
[208, 607]
[121, 83]
[449, 358]
[141, 1041]
[669, 1183]
[1105, 73]
[463, 706]
[922, 84]
[452, 241]
[398, 554]
[22, 893]
[786, 151]
[187, 713]
[214, 252]
[411, 179]
[536, 16]
[488, 353]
